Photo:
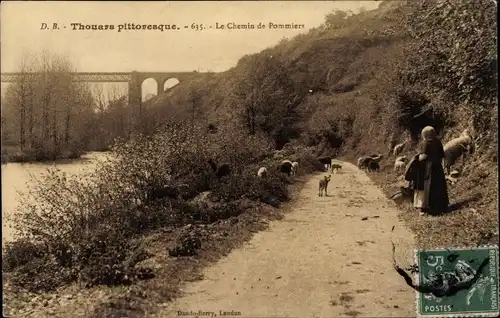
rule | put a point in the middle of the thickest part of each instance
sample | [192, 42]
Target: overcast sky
[153, 50]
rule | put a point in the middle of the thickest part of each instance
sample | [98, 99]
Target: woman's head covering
[428, 133]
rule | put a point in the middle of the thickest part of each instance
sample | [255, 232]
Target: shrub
[270, 190]
[42, 274]
[19, 253]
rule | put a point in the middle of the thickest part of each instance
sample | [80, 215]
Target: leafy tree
[336, 19]
[266, 96]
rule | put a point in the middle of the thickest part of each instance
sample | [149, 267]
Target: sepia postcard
[249, 158]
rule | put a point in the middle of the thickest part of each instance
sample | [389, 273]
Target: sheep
[262, 173]
[220, 171]
[402, 158]
[453, 176]
[403, 195]
[373, 166]
[295, 167]
[364, 161]
[323, 186]
[286, 167]
[377, 158]
[456, 148]
[399, 148]
[326, 160]
[361, 161]
[400, 164]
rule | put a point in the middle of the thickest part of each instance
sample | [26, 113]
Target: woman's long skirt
[421, 197]
[434, 196]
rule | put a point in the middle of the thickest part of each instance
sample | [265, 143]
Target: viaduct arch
[134, 80]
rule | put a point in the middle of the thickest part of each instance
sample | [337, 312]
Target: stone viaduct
[134, 80]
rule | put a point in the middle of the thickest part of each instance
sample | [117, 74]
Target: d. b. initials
[45, 27]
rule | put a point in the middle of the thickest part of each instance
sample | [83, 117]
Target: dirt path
[322, 260]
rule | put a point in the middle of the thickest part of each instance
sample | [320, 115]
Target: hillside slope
[360, 83]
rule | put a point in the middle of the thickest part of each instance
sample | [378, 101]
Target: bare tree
[49, 115]
[195, 102]
[120, 113]
[40, 109]
[24, 98]
[46, 88]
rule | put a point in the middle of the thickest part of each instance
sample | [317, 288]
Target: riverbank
[15, 177]
[14, 154]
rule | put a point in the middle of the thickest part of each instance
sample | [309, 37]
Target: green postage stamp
[458, 282]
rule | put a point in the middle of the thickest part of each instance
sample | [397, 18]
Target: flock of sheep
[290, 168]
[453, 150]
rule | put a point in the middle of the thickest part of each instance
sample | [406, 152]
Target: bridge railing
[77, 77]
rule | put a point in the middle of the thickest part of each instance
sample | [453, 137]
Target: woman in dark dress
[434, 195]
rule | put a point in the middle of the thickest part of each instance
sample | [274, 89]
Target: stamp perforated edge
[416, 277]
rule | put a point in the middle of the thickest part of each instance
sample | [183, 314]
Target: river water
[16, 175]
